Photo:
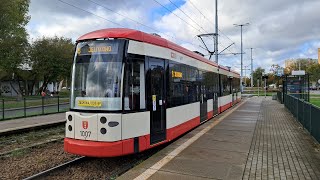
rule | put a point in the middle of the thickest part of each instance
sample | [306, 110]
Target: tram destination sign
[97, 47]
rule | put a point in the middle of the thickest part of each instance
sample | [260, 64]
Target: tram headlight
[103, 120]
[70, 128]
[70, 118]
[103, 130]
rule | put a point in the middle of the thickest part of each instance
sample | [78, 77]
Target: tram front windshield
[96, 77]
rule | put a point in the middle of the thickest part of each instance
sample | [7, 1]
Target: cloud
[278, 30]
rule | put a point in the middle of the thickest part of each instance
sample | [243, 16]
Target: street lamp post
[251, 69]
[241, 74]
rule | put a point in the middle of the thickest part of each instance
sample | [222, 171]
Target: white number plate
[85, 134]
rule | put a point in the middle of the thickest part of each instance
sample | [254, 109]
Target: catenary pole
[241, 74]
[216, 39]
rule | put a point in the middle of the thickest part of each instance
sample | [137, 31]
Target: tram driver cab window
[134, 87]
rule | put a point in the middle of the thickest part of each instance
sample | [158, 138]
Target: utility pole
[241, 74]
[216, 39]
[215, 35]
[251, 69]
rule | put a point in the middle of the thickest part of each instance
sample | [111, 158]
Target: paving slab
[234, 136]
[30, 122]
[218, 154]
[259, 140]
[168, 175]
[198, 167]
[281, 149]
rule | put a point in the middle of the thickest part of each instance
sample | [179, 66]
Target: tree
[257, 74]
[314, 71]
[13, 37]
[304, 64]
[51, 59]
[273, 77]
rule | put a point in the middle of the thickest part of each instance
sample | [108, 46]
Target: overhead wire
[176, 15]
[188, 16]
[218, 28]
[197, 23]
[90, 13]
[136, 21]
[125, 17]
[209, 20]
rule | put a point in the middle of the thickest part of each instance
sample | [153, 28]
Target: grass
[20, 144]
[19, 153]
[35, 101]
[20, 113]
[315, 95]
[16, 140]
[315, 101]
[261, 93]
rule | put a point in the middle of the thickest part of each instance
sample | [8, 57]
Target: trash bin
[274, 96]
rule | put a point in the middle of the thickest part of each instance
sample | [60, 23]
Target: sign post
[258, 87]
[265, 88]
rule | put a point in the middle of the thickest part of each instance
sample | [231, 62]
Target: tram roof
[147, 38]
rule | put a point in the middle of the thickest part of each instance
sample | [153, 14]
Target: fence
[307, 114]
[280, 97]
[31, 106]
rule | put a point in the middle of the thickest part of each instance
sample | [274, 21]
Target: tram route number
[85, 134]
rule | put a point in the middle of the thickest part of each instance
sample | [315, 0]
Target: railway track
[56, 168]
[29, 140]
[93, 168]
[31, 146]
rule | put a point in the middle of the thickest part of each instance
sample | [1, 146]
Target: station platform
[14, 125]
[256, 139]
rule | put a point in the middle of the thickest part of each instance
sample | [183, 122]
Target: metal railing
[307, 114]
[280, 97]
[31, 106]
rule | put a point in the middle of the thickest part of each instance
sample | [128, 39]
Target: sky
[278, 29]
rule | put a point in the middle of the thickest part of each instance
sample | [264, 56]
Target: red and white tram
[132, 91]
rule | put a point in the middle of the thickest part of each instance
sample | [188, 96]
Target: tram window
[208, 79]
[225, 84]
[235, 85]
[134, 88]
[215, 80]
[183, 84]
[97, 75]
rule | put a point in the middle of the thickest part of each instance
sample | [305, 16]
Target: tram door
[215, 103]
[156, 100]
[203, 103]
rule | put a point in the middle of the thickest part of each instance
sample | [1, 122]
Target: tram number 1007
[85, 134]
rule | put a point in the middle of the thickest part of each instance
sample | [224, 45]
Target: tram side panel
[210, 108]
[225, 102]
[181, 119]
[137, 125]
[238, 96]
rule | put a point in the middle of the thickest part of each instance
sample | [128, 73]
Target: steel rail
[56, 168]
